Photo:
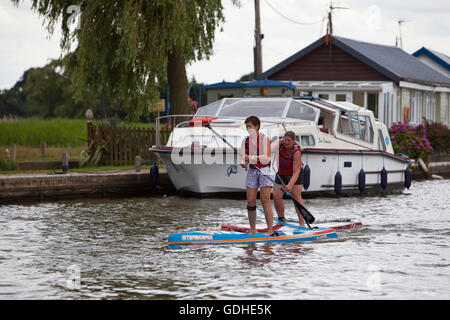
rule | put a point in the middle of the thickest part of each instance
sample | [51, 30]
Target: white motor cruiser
[345, 149]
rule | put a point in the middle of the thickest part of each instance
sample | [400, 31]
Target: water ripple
[117, 249]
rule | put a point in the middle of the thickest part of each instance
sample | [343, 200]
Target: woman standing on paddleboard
[290, 171]
[257, 161]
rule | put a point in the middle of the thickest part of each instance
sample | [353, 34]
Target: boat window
[306, 140]
[302, 111]
[349, 124]
[381, 143]
[366, 128]
[208, 110]
[259, 108]
[354, 124]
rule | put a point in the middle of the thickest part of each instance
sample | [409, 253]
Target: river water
[117, 249]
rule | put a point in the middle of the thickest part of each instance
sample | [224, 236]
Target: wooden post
[43, 147]
[258, 50]
[65, 159]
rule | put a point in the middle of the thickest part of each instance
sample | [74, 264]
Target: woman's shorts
[286, 179]
[256, 179]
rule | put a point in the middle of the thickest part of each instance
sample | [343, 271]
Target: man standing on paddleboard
[290, 173]
[257, 153]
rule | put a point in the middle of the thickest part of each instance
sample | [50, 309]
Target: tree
[132, 48]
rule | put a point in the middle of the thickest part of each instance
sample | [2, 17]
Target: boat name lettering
[196, 237]
[323, 140]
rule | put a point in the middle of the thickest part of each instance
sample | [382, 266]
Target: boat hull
[324, 164]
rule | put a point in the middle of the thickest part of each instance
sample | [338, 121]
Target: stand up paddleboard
[338, 224]
[221, 237]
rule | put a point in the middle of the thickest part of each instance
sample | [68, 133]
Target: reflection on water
[117, 249]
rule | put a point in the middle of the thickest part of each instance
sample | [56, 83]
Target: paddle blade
[305, 213]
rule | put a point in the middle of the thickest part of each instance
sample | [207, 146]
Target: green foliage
[123, 47]
[32, 132]
[8, 165]
[439, 136]
[410, 140]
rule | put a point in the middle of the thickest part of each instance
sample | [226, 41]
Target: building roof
[436, 56]
[390, 61]
[258, 83]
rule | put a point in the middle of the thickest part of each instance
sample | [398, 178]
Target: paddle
[309, 218]
[287, 224]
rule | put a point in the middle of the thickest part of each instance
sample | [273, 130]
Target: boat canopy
[260, 107]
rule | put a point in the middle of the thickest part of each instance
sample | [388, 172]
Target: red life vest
[286, 160]
[258, 164]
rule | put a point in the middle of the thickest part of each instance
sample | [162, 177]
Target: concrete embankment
[22, 188]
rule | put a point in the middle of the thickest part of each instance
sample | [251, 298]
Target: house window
[415, 107]
[430, 109]
[341, 97]
[372, 103]
[324, 96]
[388, 108]
[446, 108]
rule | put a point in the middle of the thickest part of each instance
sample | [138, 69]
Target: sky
[288, 26]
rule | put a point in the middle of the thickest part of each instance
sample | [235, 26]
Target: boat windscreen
[260, 108]
[208, 110]
[299, 110]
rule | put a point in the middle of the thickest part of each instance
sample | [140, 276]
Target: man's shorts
[256, 179]
[286, 179]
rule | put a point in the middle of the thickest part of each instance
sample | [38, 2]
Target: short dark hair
[254, 120]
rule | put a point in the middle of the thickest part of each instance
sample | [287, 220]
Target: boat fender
[306, 177]
[338, 183]
[154, 174]
[383, 177]
[408, 178]
[361, 180]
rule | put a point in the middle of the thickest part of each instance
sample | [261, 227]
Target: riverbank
[76, 184]
[38, 187]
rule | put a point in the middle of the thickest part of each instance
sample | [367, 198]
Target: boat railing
[177, 120]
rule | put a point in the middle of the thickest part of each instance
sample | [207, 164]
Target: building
[260, 88]
[434, 59]
[395, 85]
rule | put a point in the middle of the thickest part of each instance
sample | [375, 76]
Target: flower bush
[439, 136]
[409, 140]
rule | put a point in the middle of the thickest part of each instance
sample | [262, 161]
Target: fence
[121, 145]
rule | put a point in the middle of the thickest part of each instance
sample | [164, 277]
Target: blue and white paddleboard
[220, 237]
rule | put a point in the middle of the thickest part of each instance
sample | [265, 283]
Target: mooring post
[138, 163]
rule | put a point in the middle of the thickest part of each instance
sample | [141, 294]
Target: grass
[32, 132]
[60, 135]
